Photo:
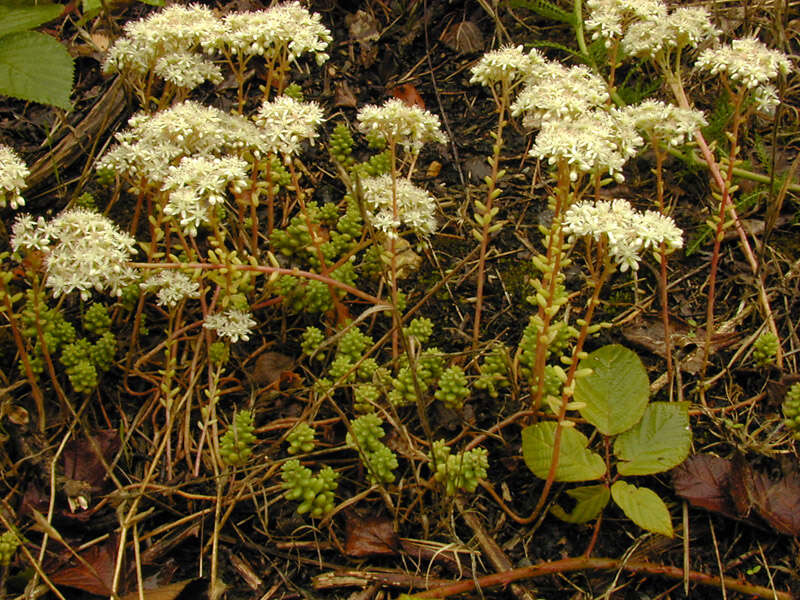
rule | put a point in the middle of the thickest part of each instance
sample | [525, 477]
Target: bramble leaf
[13, 20]
[616, 393]
[643, 507]
[660, 441]
[575, 462]
[591, 500]
[35, 67]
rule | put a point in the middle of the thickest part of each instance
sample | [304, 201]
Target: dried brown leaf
[270, 366]
[702, 480]
[193, 589]
[464, 37]
[95, 580]
[781, 505]
[81, 463]
[343, 96]
[746, 486]
[370, 536]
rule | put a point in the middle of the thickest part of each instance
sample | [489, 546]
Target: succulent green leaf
[591, 500]
[643, 507]
[617, 391]
[575, 461]
[17, 19]
[35, 67]
[660, 441]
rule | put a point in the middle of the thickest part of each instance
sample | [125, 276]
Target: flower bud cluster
[791, 410]
[378, 459]
[236, 446]
[315, 492]
[460, 471]
[765, 349]
[301, 439]
[9, 542]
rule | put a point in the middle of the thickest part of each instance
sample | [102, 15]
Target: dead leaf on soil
[193, 589]
[77, 575]
[370, 536]
[408, 94]
[648, 333]
[270, 367]
[343, 96]
[734, 489]
[781, 508]
[81, 463]
[464, 37]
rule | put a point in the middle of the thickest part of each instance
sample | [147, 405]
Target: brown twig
[567, 565]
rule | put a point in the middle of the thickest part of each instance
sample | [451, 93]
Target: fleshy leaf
[660, 441]
[576, 462]
[591, 500]
[643, 507]
[35, 67]
[616, 393]
[13, 20]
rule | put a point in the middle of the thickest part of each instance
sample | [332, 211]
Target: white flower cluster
[628, 232]
[667, 122]
[13, 172]
[286, 25]
[508, 64]
[415, 206]
[173, 286]
[748, 62]
[84, 251]
[187, 70]
[200, 182]
[646, 28]
[396, 121]
[555, 92]
[168, 39]
[608, 19]
[232, 323]
[154, 142]
[171, 42]
[599, 142]
[286, 122]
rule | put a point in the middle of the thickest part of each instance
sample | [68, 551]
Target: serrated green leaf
[643, 507]
[660, 441]
[591, 500]
[575, 461]
[545, 9]
[13, 20]
[35, 67]
[617, 391]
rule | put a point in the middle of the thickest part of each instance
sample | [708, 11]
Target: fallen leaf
[270, 367]
[781, 505]
[370, 536]
[746, 486]
[408, 94]
[343, 96]
[702, 480]
[193, 589]
[81, 463]
[464, 37]
[97, 580]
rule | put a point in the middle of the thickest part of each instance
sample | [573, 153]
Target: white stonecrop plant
[627, 232]
[84, 251]
[13, 172]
